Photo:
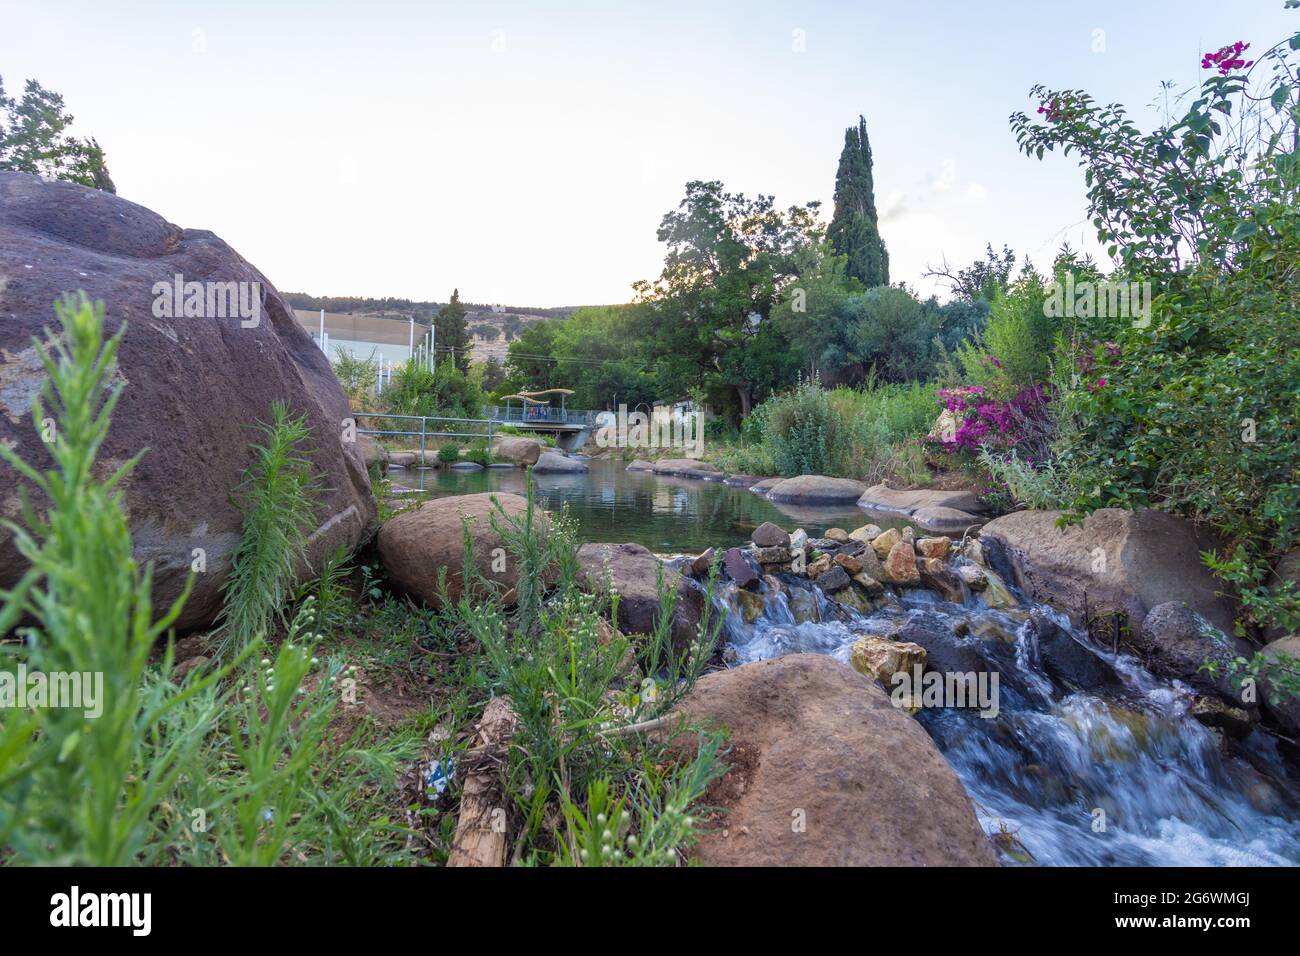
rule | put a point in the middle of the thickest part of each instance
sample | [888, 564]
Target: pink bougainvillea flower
[1227, 58]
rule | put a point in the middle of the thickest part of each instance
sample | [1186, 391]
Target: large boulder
[517, 451]
[817, 490]
[1284, 652]
[907, 502]
[1116, 565]
[1175, 640]
[632, 571]
[554, 463]
[415, 545]
[194, 384]
[686, 468]
[826, 771]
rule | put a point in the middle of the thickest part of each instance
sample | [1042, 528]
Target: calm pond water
[667, 515]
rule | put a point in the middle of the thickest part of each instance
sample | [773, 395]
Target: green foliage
[1195, 411]
[357, 375]
[1193, 190]
[448, 392]
[885, 329]
[867, 434]
[275, 498]
[449, 454]
[1015, 348]
[451, 337]
[730, 261]
[34, 139]
[75, 790]
[802, 429]
[854, 229]
[200, 773]
[575, 689]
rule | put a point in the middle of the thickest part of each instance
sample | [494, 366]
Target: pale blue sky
[525, 152]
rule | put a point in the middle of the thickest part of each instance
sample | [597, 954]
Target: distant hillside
[492, 327]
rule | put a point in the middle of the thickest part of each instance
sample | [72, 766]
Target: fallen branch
[481, 828]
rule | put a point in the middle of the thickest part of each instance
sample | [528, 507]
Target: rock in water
[900, 565]
[518, 451]
[815, 743]
[416, 544]
[817, 490]
[553, 463]
[1286, 710]
[739, 568]
[1175, 641]
[632, 570]
[194, 381]
[769, 535]
[882, 659]
[1117, 563]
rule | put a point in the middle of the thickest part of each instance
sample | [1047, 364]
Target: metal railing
[425, 432]
[541, 415]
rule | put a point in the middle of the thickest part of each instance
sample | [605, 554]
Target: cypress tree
[854, 231]
[451, 331]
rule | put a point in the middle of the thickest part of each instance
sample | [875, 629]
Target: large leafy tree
[854, 230]
[730, 260]
[452, 335]
[34, 139]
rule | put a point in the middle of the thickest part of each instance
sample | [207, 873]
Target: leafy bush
[448, 392]
[357, 375]
[802, 429]
[1195, 411]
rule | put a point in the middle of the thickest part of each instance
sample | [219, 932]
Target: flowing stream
[1090, 760]
[1080, 732]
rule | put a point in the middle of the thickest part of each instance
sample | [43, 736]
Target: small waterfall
[1090, 760]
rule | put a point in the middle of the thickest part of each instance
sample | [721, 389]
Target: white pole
[321, 339]
[412, 336]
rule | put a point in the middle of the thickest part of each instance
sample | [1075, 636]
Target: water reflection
[666, 514]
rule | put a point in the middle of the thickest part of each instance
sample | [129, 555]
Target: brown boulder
[769, 535]
[414, 545]
[632, 571]
[817, 489]
[827, 772]
[517, 451]
[900, 565]
[194, 384]
[938, 577]
[1121, 564]
[882, 658]
[890, 501]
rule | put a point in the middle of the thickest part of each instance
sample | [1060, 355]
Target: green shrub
[580, 696]
[275, 498]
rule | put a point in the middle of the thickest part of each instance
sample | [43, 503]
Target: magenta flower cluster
[982, 420]
[1226, 59]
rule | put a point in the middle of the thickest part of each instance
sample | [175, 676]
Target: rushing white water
[1093, 762]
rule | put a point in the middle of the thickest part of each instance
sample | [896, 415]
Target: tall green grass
[275, 497]
[868, 433]
[233, 764]
[583, 790]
